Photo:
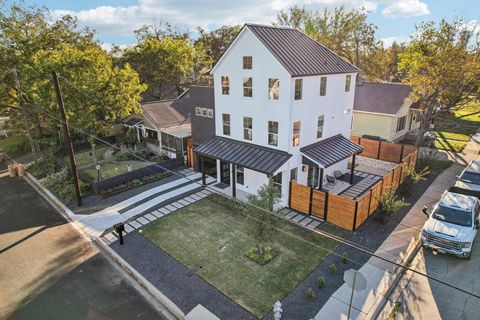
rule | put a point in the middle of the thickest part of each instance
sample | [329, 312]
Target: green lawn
[15, 146]
[449, 145]
[194, 235]
[84, 157]
[112, 169]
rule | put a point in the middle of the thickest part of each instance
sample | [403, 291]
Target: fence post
[369, 202]
[379, 148]
[355, 216]
[325, 207]
[290, 195]
[401, 153]
[311, 200]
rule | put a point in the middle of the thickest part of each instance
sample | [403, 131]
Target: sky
[115, 20]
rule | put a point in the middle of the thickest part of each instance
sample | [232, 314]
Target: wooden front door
[189, 153]
[225, 172]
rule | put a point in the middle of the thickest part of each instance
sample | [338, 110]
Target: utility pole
[24, 114]
[68, 137]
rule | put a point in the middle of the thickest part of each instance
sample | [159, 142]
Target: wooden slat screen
[300, 197]
[318, 204]
[341, 211]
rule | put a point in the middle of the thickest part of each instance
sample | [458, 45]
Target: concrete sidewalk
[381, 274]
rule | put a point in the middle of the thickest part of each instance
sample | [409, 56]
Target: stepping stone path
[302, 220]
[155, 214]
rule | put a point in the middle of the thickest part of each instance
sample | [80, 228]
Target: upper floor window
[296, 133]
[277, 181]
[225, 85]
[273, 89]
[323, 86]
[226, 123]
[298, 89]
[320, 123]
[348, 80]
[247, 87]
[247, 62]
[294, 174]
[204, 112]
[247, 128]
[401, 123]
[273, 133]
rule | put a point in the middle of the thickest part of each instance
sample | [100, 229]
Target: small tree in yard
[412, 177]
[388, 203]
[267, 196]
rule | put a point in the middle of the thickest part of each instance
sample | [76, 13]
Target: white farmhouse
[283, 109]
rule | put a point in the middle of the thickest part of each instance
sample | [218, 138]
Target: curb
[135, 276]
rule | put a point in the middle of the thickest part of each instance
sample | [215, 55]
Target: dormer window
[348, 80]
[298, 89]
[247, 63]
[225, 85]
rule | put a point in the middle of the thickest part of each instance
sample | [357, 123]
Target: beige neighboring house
[383, 110]
[3, 126]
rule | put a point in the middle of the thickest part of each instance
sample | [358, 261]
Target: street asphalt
[49, 271]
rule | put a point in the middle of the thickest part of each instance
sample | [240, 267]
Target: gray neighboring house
[166, 126]
[384, 110]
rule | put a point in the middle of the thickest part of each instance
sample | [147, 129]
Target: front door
[225, 172]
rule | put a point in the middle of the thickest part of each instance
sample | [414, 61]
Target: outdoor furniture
[331, 179]
[338, 174]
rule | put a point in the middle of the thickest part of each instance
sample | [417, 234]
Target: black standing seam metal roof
[258, 158]
[331, 150]
[298, 53]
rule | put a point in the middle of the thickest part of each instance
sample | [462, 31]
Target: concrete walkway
[398, 247]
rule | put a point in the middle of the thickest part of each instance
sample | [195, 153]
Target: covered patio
[326, 154]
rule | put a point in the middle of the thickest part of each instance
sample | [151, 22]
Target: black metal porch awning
[262, 159]
[132, 121]
[327, 152]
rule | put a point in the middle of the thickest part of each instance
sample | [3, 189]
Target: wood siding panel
[397, 174]
[370, 148]
[387, 182]
[300, 198]
[362, 210]
[390, 152]
[318, 204]
[376, 192]
[341, 211]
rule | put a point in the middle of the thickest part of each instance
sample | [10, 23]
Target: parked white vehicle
[469, 181]
[452, 225]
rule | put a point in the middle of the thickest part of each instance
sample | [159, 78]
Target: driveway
[49, 271]
[422, 298]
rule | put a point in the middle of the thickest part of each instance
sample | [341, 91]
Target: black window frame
[272, 136]
[323, 86]
[248, 128]
[298, 93]
[225, 84]
[226, 124]
[246, 64]
[272, 95]
[247, 90]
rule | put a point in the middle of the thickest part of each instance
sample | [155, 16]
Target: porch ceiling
[262, 159]
[327, 152]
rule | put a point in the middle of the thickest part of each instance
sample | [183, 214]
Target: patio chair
[331, 180]
[338, 174]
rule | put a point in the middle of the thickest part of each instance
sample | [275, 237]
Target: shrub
[15, 146]
[412, 177]
[332, 269]
[345, 258]
[388, 203]
[309, 294]
[321, 282]
[45, 165]
[121, 156]
[261, 259]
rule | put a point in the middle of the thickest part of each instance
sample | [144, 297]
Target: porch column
[320, 183]
[234, 182]
[202, 165]
[352, 169]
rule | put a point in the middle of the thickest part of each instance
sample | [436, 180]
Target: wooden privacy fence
[343, 211]
[383, 150]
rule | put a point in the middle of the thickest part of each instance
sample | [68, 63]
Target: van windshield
[462, 218]
[470, 177]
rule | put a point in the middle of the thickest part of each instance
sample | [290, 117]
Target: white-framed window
[226, 123]
[277, 181]
[298, 89]
[348, 80]
[168, 142]
[240, 175]
[401, 123]
[296, 133]
[247, 87]
[247, 63]
[320, 124]
[247, 128]
[294, 174]
[225, 85]
[323, 86]
[204, 112]
[273, 89]
[273, 133]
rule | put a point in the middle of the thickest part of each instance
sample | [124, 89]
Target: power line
[322, 233]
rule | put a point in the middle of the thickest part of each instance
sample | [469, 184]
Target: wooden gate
[300, 197]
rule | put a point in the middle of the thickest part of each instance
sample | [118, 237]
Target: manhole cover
[194, 270]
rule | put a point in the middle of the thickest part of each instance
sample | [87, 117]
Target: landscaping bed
[112, 168]
[214, 236]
